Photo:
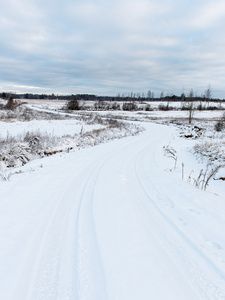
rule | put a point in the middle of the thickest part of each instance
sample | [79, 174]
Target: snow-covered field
[53, 127]
[22, 140]
[121, 220]
[57, 104]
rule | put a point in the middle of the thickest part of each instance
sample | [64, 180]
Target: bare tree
[149, 94]
[142, 97]
[190, 106]
[182, 97]
[153, 95]
[208, 94]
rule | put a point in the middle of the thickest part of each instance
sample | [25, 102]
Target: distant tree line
[130, 97]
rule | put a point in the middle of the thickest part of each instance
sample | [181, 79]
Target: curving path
[108, 223]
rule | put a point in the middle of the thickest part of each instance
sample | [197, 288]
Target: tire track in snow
[92, 278]
[205, 276]
[55, 274]
[60, 273]
[90, 268]
[53, 246]
[55, 263]
[70, 256]
[134, 263]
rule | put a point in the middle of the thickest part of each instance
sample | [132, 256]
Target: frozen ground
[115, 221]
[22, 139]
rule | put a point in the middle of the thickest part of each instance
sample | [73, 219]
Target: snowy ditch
[21, 142]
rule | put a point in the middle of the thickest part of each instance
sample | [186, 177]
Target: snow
[114, 221]
[159, 116]
[57, 105]
[25, 141]
[54, 127]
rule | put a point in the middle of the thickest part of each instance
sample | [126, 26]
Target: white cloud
[209, 16]
[112, 46]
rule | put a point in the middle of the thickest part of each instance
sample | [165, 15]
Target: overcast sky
[107, 47]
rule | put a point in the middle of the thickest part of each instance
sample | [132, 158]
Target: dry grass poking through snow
[213, 151]
[18, 150]
[23, 113]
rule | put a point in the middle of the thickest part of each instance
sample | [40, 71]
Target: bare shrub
[212, 151]
[184, 107]
[148, 107]
[73, 105]
[101, 105]
[212, 108]
[114, 123]
[129, 106]
[163, 107]
[219, 126]
[10, 104]
[200, 107]
[115, 106]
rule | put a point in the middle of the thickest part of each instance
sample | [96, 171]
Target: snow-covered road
[108, 223]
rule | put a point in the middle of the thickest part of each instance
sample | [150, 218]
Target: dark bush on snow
[212, 108]
[130, 106]
[148, 107]
[73, 105]
[165, 107]
[219, 126]
[11, 104]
